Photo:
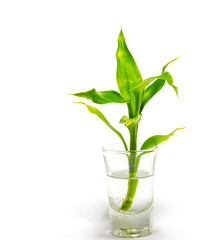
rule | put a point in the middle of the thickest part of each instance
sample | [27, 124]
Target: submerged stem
[133, 164]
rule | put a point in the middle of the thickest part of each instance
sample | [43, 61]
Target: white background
[52, 175]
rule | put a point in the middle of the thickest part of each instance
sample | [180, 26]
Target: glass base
[131, 233]
[130, 225]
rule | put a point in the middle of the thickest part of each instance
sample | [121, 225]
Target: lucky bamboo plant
[135, 93]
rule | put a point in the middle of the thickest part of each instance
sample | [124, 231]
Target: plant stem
[133, 164]
[133, 128]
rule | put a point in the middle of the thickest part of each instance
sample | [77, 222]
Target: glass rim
[106, 148]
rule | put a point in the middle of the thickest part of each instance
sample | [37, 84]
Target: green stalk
[133, 164]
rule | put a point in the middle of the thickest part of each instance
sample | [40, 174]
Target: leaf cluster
[133, 91]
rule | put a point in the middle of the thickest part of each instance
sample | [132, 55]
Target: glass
[137, 220]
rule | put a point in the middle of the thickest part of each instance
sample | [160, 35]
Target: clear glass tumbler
[130, 190]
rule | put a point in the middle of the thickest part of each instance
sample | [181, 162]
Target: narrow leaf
[169, 79]
[138, 91]
[165, 66]
[157, 139]
[101, 97]
[136, 100]
[150, 91]
[95, 111]
[155, 87]
[127, 74]
[165, 76]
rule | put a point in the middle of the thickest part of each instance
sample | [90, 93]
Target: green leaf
[169, 79]
[155, 87]
[165, 76]
[157, 139]
[127, 74]
[138, 92]
[127, 121]
[151, 91]
[95, 111]
[165, 66]
[136, 100]
[101, 97]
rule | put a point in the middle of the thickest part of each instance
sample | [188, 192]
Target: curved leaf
[151, 91]
[165, 76]
[138, 92]
[169, 80]
[101, 97]
[157, 139]
[127, 121]
[127, 74]
[136, 100]
[155, 87]
[103, 118]
[165, 66]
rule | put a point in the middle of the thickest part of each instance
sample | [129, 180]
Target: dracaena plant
[135, 93]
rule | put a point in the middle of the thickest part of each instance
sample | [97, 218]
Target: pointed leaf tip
[80, 103]
[165, 66]
[102, 97]
[127, 73]
[121, 32]
[121, 38]
[157, 139]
